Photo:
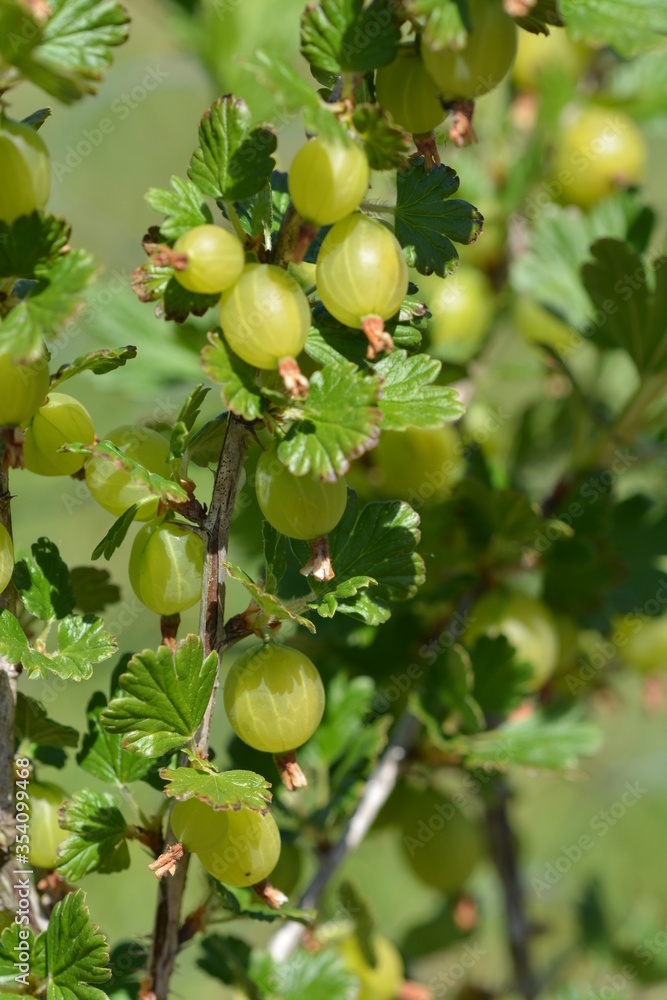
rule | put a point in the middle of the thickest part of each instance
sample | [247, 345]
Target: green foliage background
[102, 193]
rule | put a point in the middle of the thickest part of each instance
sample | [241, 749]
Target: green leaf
[116, 534]
[386, 144]
[323, 976]
[205, 445]
[500, 681]
[76, 953]
[102, 754]
[97, 362]
[499, 523]
[445, 703]
[69, 53]
[92, 590]
[427, 218]
[166, 697]
[347, 743]
[542, 16]
[275, 557]
[338, 421]
[29, 242]
[166, 490]
[13, 643]
[638, 320]
[408, 398]
[234, 159]
[329, 342]
[98, 836]
[82, 642]
[9, 946]
[295, 94]
[266, 608]
[46, 305]
[184, 208]
[184, 422]
[33, 728]
[156, 283]
[346, 36]
[229, 790]
[560, 240]
[374, 559]
[237, 380]
[629, 26]
[553, 743]
[43, 582]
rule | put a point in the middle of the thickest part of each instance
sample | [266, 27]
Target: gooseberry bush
[445, 482]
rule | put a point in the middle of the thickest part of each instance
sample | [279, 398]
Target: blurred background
[141, 129]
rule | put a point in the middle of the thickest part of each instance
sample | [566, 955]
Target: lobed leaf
[408, 397]
[165, 698]
[428, 221]
[184, 208]
[338, 421]
[226, 790]
[76, 953]
[234, 158]
[97, 843]
[237, 380]
[43, 582]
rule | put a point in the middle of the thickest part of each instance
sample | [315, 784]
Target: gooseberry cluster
[239, 847]
[416, 88]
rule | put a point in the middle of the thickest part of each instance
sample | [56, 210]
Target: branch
[211, 628]
[378, 789]
[502, 846]
[8, 675]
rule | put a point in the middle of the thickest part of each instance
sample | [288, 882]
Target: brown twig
[502, 847]
[8, 674]
[216, 529]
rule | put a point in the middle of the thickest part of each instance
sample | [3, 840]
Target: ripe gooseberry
[407, 92]
[114, 489]
[6, 558]
[361, 271]
[25, 170]
[483, 63]
[381, 981]
[526, 623]
[446, 859]
[328, 180]
[418, 465]
[597, 152]
[642, 642]
[215, 259]
[297, 506]
[555, 51]
[61, 420]
[23, 390]
[462, 312]
[198, 826]
[45, 834]
[249, 852]
[265, 317]
[274, 698]
[166, 566]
